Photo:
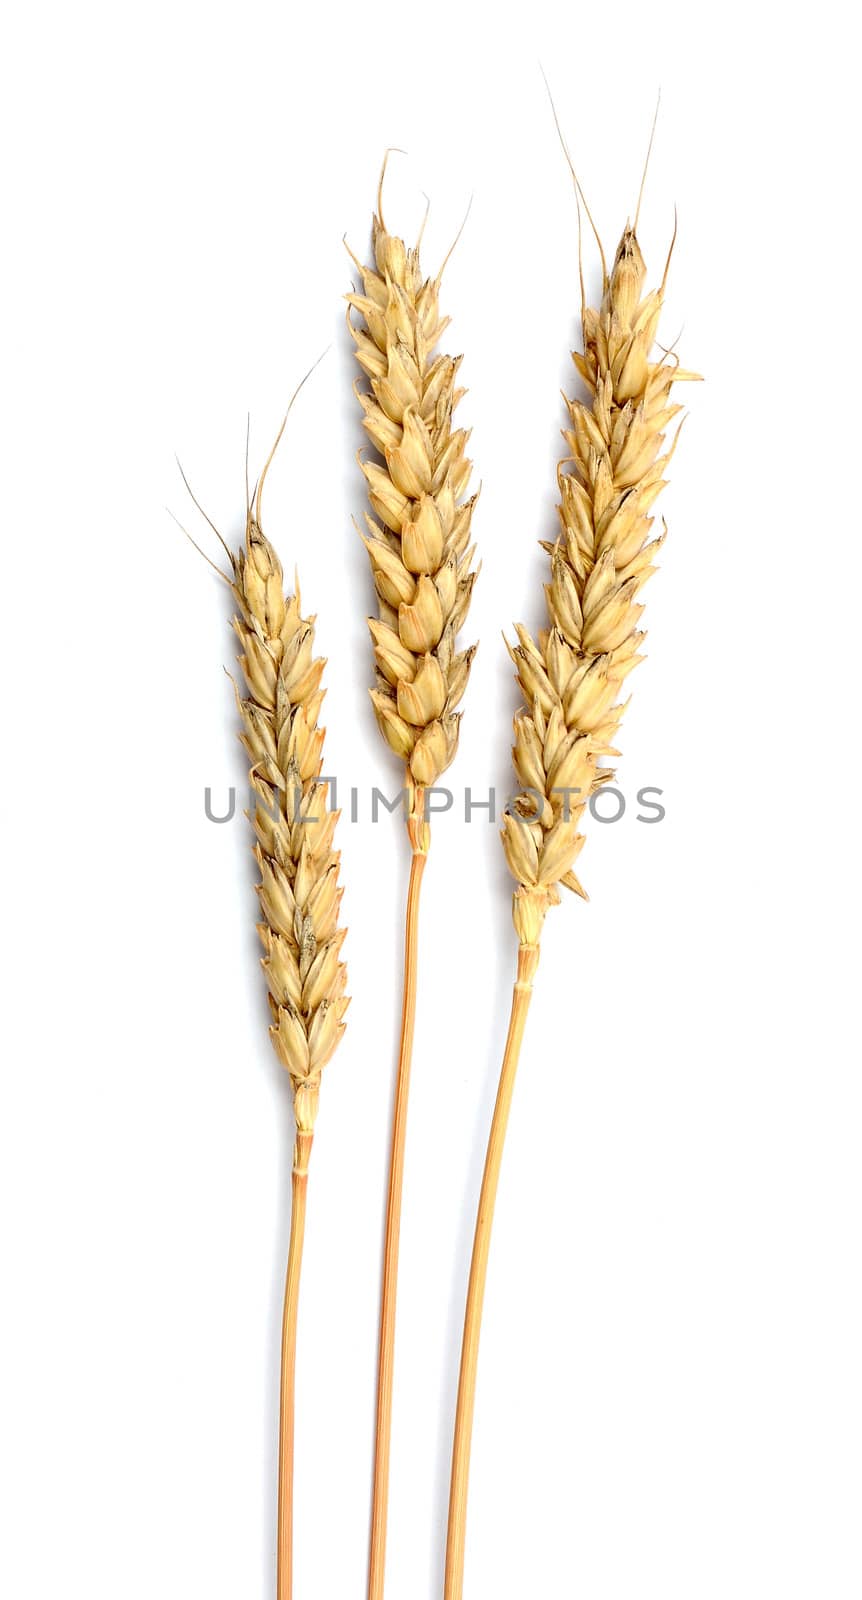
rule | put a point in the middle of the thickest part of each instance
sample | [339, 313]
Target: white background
[670, 1403]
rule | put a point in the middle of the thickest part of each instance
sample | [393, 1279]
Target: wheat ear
[571, 677]
[418, 543]
[298, 893]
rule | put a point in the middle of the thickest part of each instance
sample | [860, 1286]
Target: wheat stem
[298, 889]
[389, 1292]
[298, 893]
[528, 957]
[418, 542]
[288, 1367]
[571, 676]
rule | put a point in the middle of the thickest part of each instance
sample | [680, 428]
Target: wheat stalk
[418, 543]
[299, 898]
[298, 892]
[571, 677]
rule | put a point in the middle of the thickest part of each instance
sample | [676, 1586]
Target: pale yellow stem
[386, 1356]
[288, 1368]
[528, 956]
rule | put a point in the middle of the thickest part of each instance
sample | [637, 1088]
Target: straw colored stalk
[571, 678]
[418, 543]
[298, 892]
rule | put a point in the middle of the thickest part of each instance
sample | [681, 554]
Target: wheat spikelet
[418, 541]
[298, 890]
[571, 676]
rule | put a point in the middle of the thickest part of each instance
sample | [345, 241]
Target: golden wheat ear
[418, 542]
[299, 896]
[571, 677]
[299, 893]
